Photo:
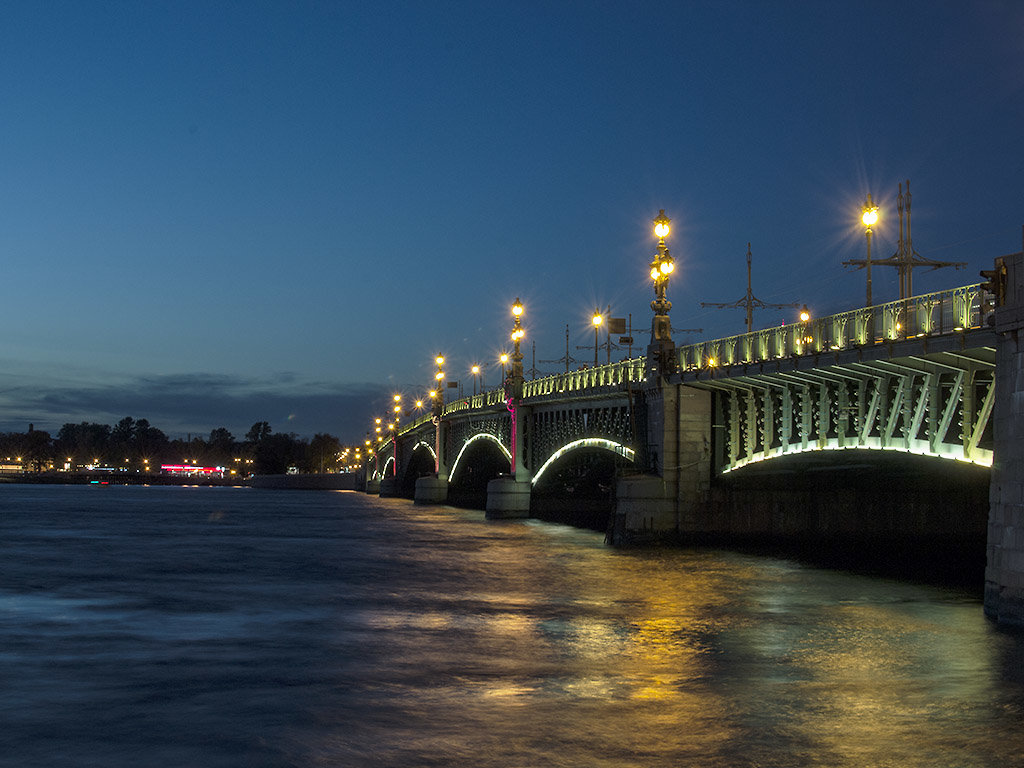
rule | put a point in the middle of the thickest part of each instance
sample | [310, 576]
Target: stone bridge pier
[1004, 573]
[665, 502]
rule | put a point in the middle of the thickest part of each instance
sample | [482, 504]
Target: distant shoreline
[324, 482]
[114, 478]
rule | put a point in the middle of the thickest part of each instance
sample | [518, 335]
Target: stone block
[507, 499]
[1013, 560]
[431, 490]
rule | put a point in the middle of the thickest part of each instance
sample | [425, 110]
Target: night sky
[217, 213]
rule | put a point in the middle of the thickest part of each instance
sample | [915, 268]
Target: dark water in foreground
[237, 627]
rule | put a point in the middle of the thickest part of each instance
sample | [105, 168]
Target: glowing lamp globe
[661, 225]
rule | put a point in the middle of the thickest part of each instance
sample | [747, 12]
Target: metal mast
[749, 302]
[906, 258]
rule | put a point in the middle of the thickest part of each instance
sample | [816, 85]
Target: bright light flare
[661, 225]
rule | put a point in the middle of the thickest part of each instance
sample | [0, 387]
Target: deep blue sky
[218, 213]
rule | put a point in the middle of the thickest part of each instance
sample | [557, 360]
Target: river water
[238, 627]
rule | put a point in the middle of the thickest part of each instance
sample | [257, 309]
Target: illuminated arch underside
[428, 446]
[473, 439]
[587, 442]
[980, 456]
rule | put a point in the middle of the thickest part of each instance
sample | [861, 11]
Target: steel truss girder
[907, 404]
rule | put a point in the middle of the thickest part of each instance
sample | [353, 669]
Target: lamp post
[869, 215]
[517, 357]
[475, 370]
[394, 430]
[504, 361]
[805, 318]
[662, 266]
[596, 320]
[514, 387]
[437, 394]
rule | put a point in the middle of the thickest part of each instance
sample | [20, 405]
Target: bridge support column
[507, 498]
[372, 485]
[667, 505]
[1004, 572]
[388, 486]
[431, 489]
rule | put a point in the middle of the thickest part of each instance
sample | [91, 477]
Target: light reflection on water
[223, 627]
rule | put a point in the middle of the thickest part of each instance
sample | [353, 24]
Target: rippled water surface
[239, 627]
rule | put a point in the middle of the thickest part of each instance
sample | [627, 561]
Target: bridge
[656, 439]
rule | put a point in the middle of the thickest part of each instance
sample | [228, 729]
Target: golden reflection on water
[533, 646]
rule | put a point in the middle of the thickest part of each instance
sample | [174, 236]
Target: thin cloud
[193, 403]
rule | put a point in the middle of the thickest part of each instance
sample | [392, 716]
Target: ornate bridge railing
[939, 313]
[600, 377]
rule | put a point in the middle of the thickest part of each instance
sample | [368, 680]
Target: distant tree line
[137, 445]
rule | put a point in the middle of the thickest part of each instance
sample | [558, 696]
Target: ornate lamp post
[596, 320]
[662, 266]
[437, 410]
[504, 361]
[394, 430]
[517, 357]
[514, 383]
[869, 215]
[437, 395]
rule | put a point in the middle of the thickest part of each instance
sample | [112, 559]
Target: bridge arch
[587, 442]
[424, 445]
[482, 436]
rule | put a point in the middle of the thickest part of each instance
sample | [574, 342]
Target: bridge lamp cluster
[663, 265]
[518, 332]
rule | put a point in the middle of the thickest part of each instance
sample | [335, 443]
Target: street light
[805, 335]
[596, 320]
[475, 370]
[437, 395]
[662, 266]
[504, 362]
[518, 332]
[869, 216]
